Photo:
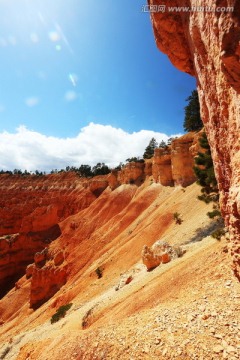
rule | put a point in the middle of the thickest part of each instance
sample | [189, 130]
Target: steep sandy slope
[111, 233]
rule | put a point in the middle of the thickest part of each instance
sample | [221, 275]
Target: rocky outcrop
[172, 165]
[30, 209]
[162, 167]
[113, 179]
[159, 253]
[150, 260]
[35, 203]
[183, 160]
[45, 283]
[132, 173]
[96, 185]
[206, 44]
[18, 250]
[48, 274]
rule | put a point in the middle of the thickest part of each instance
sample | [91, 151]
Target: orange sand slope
[186, 309]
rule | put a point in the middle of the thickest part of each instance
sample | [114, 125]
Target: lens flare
[54, 36]
[73, 79]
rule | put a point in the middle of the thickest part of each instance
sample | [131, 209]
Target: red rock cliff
[206, 44]
[30, 209]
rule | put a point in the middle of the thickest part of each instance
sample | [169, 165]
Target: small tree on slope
[149, 151]
[192, 119]
[205, 171]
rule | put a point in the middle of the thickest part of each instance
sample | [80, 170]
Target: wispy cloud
[28, 149]
[32, 101]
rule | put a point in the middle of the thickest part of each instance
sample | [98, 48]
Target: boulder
[160, 252]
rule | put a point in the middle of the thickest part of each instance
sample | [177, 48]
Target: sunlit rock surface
[206, 45]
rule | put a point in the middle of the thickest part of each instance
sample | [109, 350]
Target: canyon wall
[30, 209]
[33, 207]
[206, 44]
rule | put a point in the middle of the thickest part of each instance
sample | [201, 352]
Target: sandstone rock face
[113, 179]
[174, 164]
[148, 167]
[48, 274]
[97, 184]
[162, 167]
[45, 283]
[169, 166]
[183, 160]
[206, 45]
[30, 209]
[132, 173]
[18, 250]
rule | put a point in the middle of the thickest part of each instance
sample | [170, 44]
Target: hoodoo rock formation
[169, 166]
[206, 44]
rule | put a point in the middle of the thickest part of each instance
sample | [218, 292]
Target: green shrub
[99, 272]
[5, 352]
[206, 198]
[214, 213]
[177, 218]
[60, 313]
[217, 234]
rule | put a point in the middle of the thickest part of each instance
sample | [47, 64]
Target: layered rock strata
[32, 207]
[30, 210]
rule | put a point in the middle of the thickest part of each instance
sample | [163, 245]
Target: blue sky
[68, 64]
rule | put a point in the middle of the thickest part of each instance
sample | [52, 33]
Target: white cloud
[70, 95]
[32, 101]
[28, 149]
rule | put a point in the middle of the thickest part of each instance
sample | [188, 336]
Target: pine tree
[163, 144]
[192, 119]
[100, 169]
[149, 151]
[205, 170]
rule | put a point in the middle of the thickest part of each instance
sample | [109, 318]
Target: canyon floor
[185, 309]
